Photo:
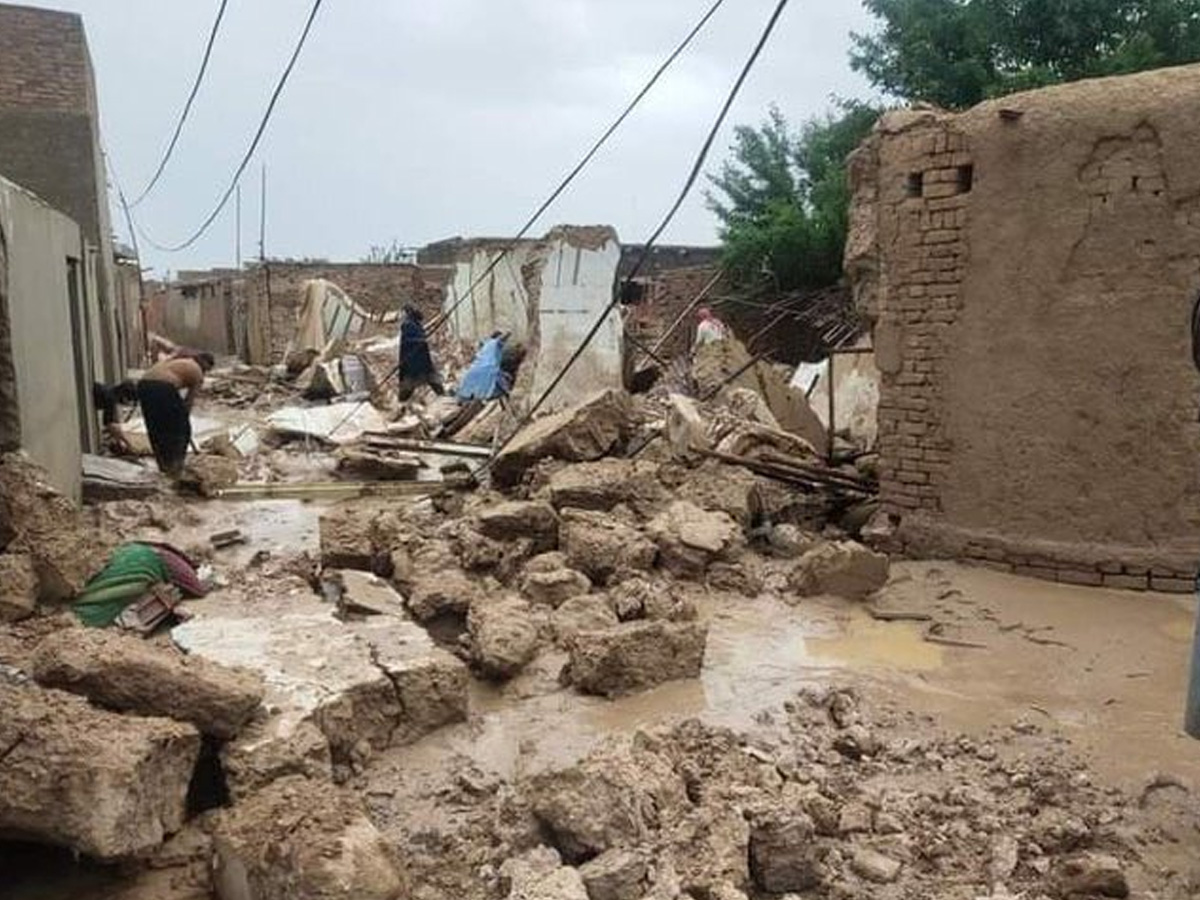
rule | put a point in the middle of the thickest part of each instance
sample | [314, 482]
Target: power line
[187, 107]
[587, 157]
[262, 127]
[646, 248]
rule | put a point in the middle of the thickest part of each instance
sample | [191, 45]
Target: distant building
[50, 140]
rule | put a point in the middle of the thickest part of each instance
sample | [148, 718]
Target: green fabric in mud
[131, 571]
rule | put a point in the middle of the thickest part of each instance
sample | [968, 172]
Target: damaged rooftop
[848, 550]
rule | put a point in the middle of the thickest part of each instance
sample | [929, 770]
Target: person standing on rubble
[416, 362]
[167, 393]
[711, 329]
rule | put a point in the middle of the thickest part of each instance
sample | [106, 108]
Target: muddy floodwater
[1105, 668]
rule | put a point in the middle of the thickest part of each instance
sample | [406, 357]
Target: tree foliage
[783, 199]
[958, 52]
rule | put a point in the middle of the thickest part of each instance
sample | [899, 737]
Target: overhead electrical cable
[646, 248]
[262, 127]
[187, 107]
[579, 167]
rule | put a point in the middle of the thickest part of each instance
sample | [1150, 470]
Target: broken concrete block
[844, 569]
[363, 594]
[129, 674]
[1091, 875]
[783, 852]
[299, 838]
[689, 538]
[540, 875]
[547, 580]
[636, 597]
[263, 753]
[520, 519]
[587, 431]
[587, 612]
[65, 550]
[504, 635]
[717, 487]
[598, 545]
[634, 656]
[18, 587]
[105, 785]
[366, 685]
[606, 483]
[616, 875]
[612, 799]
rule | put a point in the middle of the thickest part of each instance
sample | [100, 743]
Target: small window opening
[966, 179]
[916, 184]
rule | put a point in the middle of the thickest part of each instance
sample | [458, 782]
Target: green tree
[783, 199]
[958, 52]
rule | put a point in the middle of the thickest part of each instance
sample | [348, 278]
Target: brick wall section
[920, 306]
[43, 61]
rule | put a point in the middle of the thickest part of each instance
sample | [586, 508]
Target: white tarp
[338, 423]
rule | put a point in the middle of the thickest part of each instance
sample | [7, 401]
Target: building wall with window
[50, 337]
[1029, 267]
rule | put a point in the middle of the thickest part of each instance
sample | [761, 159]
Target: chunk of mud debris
[710, 846]
[264, 752]
[584, 432]
[366, 685]
[442, 592]
[783, 852]
[874, 866]
[38, 520]
[599, 486]
[634, 656]
[689, 538]
[520, 519]
[717, 487]
[686, 428]
[547, 580]
[18, 587]
[105, 785]
[366, 465]
[299, 838]
[614, 798]
[844, 569]
[588, 612]
[1092, 875]
[209, 474]
[540, 875]
[129, 674]
[599, 545]
[359, 536]
[635, 596]
[504, 635]
[616, 875]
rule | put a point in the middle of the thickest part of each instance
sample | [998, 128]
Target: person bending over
[167, 392]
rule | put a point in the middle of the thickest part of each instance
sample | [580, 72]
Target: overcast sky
[415, 120]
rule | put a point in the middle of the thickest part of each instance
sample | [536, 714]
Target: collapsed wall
[1029, 267]
[547, 294]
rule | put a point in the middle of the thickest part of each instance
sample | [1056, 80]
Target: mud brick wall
[1029, 268]
[379, 288]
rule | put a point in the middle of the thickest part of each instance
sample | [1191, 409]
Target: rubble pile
[824, 799]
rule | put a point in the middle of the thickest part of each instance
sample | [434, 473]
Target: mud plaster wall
[54, 407]
[1030, 267]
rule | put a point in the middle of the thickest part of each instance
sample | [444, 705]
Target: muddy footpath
[612, 669]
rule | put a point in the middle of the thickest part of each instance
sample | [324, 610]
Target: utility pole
[262, 217]
[237, 249]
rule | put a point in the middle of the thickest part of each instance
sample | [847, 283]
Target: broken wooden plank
[420, 445]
